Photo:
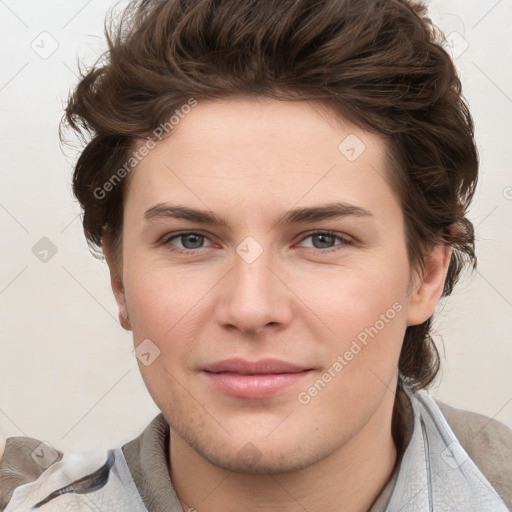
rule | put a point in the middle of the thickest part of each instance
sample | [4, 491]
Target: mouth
[259, 379]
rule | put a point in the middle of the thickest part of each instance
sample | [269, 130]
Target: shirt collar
[433, 471]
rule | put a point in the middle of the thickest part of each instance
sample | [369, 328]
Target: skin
[249, 161]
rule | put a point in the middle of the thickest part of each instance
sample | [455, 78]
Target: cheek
[368, 315]
[352, 298]
[155, 308]
[164, 310]
[365, 309]
[166, 306]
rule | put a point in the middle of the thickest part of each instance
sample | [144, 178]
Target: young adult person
[280, 192]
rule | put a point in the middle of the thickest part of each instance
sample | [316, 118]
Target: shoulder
[35, 475]
[23, 460]
[488, 442]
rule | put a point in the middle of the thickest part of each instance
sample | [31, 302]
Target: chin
[257, 454]
[252, 461]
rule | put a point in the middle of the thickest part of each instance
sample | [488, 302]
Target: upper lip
[263, 366]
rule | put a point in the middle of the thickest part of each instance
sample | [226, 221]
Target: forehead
[265, 154]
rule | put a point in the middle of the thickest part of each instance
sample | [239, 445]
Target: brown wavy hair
[377, 63]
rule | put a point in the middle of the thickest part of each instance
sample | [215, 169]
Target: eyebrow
[294, 216]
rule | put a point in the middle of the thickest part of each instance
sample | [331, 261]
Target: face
[271, 335]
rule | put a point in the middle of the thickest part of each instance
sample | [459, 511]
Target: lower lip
[254, 386]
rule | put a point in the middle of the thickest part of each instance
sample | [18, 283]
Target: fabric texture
[21, 464]
[436, 472]
[488, 444]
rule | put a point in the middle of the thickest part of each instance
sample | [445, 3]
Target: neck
[352, 476]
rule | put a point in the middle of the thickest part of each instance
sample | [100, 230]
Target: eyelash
[343, 239]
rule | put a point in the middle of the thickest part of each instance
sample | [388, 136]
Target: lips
[264, 366]
[258, 379]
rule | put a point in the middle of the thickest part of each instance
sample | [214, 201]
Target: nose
[254, 296]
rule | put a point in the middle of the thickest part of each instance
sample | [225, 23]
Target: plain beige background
[68, 374]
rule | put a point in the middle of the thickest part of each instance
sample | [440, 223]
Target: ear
[116, 282]
[428, 289]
